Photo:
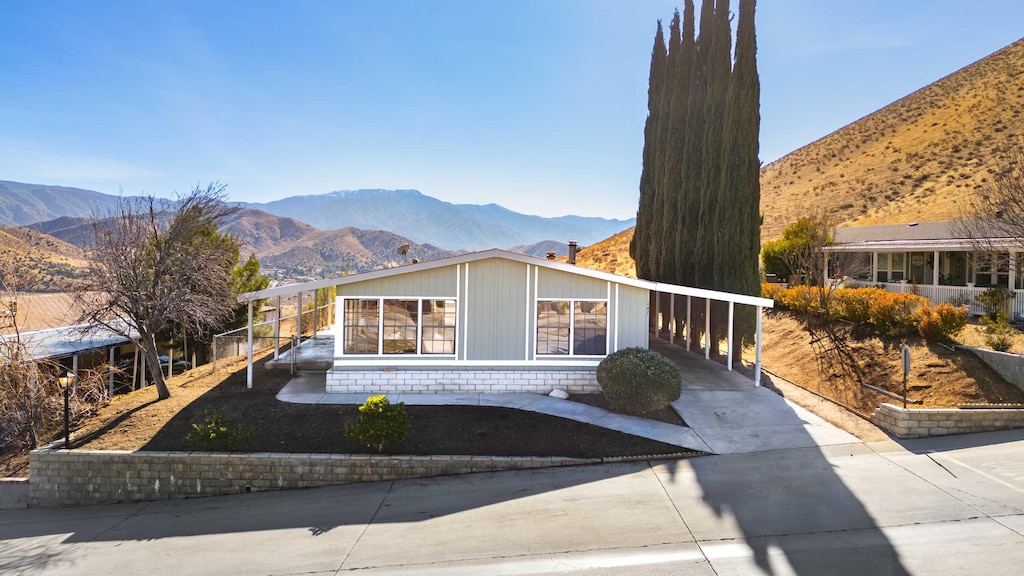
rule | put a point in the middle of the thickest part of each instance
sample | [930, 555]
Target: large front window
[399, 326]
[572, 327]
[891, 267]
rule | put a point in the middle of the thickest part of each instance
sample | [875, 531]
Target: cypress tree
[681, 76]
[668, 128]
[640, 245]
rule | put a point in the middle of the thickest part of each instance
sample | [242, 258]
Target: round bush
[637, 381]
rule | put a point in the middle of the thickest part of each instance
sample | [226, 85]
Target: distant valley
[288, 247]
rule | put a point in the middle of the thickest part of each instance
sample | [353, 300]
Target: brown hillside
[914, 160]
[608, 255]
[42, 262]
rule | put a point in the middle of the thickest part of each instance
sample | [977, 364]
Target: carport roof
[67, 341]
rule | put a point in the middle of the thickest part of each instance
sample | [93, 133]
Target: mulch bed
[667, 414]
[304, 428]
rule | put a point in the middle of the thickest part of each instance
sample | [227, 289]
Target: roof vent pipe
[551, 255]
[572, 252]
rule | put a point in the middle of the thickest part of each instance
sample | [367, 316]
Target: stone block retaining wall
[923, 422]
[78, 477]
[1009, 366]
[458, 380]
[13, 493]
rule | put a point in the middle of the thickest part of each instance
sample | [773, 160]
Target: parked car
[179, 365]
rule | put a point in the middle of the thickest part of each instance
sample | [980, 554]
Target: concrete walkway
[724, 411]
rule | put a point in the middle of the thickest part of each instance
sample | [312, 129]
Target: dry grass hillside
[914, 160]
[609, 255]
[42, 261]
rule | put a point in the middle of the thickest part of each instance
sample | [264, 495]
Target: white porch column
[732, 310]
[277, 329]
[110, 374]
[935, 274]
[1012, 283]
[874, 267]
[707, 328]
[74, 370]
[757, 349]
[248, 367]
[824, 271]
[672, 319]
[689, 327]
[657, 314]
[298, 321]
[316, 313]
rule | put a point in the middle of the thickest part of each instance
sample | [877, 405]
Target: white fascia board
[449, 363]
[714, 295]
[957, 245]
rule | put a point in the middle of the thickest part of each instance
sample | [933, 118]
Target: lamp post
[66, 381]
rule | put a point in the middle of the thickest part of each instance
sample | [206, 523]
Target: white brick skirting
[451, 380]
[78, 477]
[923, 422]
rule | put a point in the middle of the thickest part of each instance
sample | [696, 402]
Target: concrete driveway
[941, 506]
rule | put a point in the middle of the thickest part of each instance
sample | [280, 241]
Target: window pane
[897, 262]
[400, 318]
[883, 261]
[883, 276]
[553, 327]
[590, 328]
[438, 327]
[360, 330]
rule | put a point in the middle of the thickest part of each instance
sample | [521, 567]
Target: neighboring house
[75, 348]
[490, 321]
[932, 259]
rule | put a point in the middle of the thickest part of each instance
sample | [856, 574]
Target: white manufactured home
[491, 321]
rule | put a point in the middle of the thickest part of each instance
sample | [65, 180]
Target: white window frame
[572, 327]
[380, 327]
[889, 267]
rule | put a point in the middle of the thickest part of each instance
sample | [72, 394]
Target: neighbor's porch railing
[954, 294]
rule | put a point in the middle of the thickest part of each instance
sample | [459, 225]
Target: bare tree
[161, 266]
[31, 397]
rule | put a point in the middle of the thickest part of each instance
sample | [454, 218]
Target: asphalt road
[940, 506]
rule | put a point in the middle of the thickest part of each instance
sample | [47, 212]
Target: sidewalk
[724, 411]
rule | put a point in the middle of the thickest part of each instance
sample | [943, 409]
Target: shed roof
[68, 340]
[515, 257]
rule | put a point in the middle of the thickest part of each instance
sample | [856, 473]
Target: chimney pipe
[572, 252]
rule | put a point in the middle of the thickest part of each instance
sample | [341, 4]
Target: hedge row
[891, 314]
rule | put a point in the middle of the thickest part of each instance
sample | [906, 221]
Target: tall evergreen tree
[666, 131]
[640, 245]
[681, 77]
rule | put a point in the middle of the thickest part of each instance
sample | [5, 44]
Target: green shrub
[380, 423]
[995, 300]
[941, 323]
[214, 434]
[638, 381]
[998, 332]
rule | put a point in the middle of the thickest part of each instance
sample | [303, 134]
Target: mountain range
[431, 221]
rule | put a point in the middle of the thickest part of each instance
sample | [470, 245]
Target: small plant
[941, 323]
[214, 434]
[995, 300]
[998, 332]
[380, 423]
[638, 381]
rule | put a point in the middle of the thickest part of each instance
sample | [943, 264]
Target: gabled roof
[515, 257]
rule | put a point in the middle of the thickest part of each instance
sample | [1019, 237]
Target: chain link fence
[314, 348]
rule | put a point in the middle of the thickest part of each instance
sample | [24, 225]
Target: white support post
[672, 319]
[142, 371]
[824, 272]
[277, 329]
[707, 328]
[874, 267]
[732, 311]
[689, 326]
[74, 370]
[110, 374]
[757, 349]
[170, 362]
[316, 313]
[1011, 284]
[657, 314]
[935, 276]
[248, 367]
[298, 322]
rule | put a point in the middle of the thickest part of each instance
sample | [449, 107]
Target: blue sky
[537, 105]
